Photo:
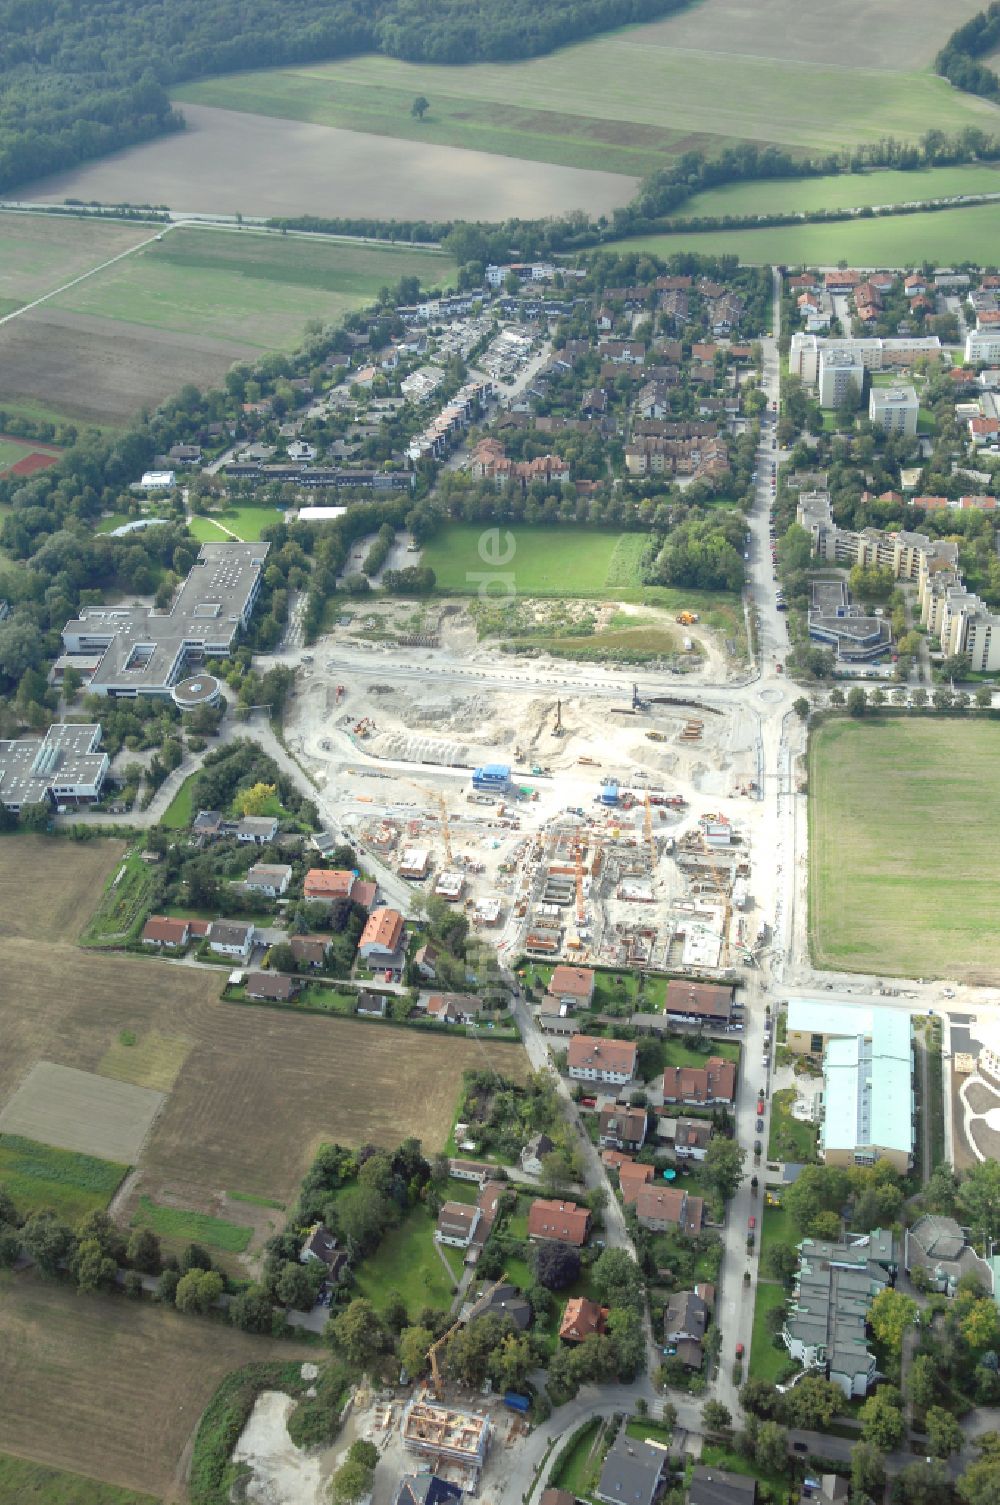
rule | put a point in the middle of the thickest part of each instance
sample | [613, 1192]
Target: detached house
[257, 830]
[622, 1128]
[715, 1082]
[270, 879]
[310, 950]
[573, 986]
[592, 1059]
[232, 938]
[561, 1222]
[581, 1319]
[161, 930]
[660, 1208]
[382, 937]
[325, 885]
[456, 1224]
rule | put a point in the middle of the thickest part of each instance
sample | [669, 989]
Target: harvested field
[96, 370]
[112, 1388]
[252, 1092]
[69, 885]
[78, 1110]
[233, 163]
[896, 809]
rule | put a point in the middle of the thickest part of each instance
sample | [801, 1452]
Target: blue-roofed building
[427, 1489]
[492, 778]
[867, 1100]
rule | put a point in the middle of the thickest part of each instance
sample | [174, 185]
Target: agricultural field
[230, 162]
[37, 1175]
[24, 1481]
[245, 1096]
[112, 1388]
[258, 289]
[181, 309]
[945, 235]
[897, 808]
[81, 1111]
[545, 561]
[844, 191]
[701, 79]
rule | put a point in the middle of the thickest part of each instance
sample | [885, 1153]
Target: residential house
[632, 1177]
[321, 1247]
[208, 824]
[592, 1059]
[426, 1488]
[504, 1301]
[622, 352]
[372, 1005]
[699, 1003]
[692, 1137]
[382, 937]
[827, 1318]
[573, 986]
[310, 950]
[456, 1224]
[633, 1471]
[454, 1008]
[561, 1222]
[661, 1208]
[425, 961]
[233, 938]
[915, 285]
[324, 885]
[713, 1083]
[940, 1247]
[684, 1324]
[161, 930]
[479, 1171]
[257, 830]
[622, 1128]
[582, 1319]
[538, 1146]
[828, 1489]
[717, 1486]
[269, 878]
[274, 987]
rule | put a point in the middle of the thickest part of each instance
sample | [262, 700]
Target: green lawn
[766, 1359]
[180, 812]
[970, 234]
[789, 1139]
[258, 288]
[905, 809]
[407, 1264]
[39, 1175]
[841, 191]
[579, 1470]
[11, 452]
[24, 1482]
[719, 1457]
[776, 1228]
[544, 561]
[192, 1227]
[634, 89]
[244, 523]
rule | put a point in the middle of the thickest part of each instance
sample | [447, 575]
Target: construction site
[570, 814]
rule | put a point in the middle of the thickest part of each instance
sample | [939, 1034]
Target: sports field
[720, 71]
[844, 191]
[903, 858]
[244, 523]
[542, 561]
[948, 235]
[109, 1387]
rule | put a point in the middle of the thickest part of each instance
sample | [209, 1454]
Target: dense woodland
[959, 61]
[82, 79]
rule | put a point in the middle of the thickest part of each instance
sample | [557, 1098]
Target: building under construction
[442, 1435]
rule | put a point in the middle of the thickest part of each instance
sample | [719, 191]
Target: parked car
[758, 1148]
[760, 1126]
[739, 1350]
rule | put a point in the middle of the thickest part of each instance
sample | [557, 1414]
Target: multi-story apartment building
[875, 354]
[894, 409]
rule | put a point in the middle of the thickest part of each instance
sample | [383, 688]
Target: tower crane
[445, 830]
[437, 1382]
[650, 839]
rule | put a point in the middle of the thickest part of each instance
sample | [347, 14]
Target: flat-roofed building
[147, 652]
[894, 409]
[826, 1324]
[66, 768]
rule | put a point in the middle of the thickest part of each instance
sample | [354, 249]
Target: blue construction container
[609, 794]
[492, 777]
[517, 1402]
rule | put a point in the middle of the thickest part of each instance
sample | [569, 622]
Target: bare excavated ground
[103, 371]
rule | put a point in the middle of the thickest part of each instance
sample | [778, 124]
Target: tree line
[958, 59]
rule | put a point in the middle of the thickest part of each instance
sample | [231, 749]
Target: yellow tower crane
[444, 827]
[650, 839]
[437, 1382]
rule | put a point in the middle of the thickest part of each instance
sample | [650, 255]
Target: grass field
[544, 562]
[789, 1138]
[407, 1264]
[180, 812]
[903, 864]
[946, 235]
[192, 1227]
[41, 251]
[11, 452]
[110, 1387]
[25, 1482]
[845, 191]
[766, 1360]
[616, 100]
[243, 523]
[37, 1175]
[259, 288]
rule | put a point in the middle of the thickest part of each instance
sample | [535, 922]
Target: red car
[739, 1350]
[751, 1224]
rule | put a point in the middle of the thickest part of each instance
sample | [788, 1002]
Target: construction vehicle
[638, 703]
[656, 736]
[557, 730]
[687, 618]
[437, 1383]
